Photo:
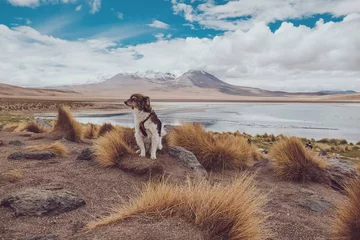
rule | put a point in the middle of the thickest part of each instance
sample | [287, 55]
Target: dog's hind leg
[160, 146]
[140, 143]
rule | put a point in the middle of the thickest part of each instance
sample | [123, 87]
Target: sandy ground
[104, 189]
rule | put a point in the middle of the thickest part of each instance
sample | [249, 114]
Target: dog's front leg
[154, 146]
[140, 143]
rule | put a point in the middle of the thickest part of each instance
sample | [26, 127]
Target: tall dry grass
[106, 127]
[10, 127]
[224, 211]
[68, 126]
[91, 131]
[347, 221]
[57, 148]
[31, 127]
[111, 148]
[214, 151]
[292, 161]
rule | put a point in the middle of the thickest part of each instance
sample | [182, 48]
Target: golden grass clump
[10, 127]
[214, 151]
[226, 211]
[106, 127]
[128, 136]
[347, 222]
[12, 176]
[91, 131]
[57, 148]
[292, 161]
[110, 148]
[31, 127]
[67, 125]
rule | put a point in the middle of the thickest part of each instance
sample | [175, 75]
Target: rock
[340, 172]
[312, 205]
[16, 143]
[45, 237]
[307, 191]
[187, 159]
[31, 155]
[37, 202]
[43, 123]
[86, 154]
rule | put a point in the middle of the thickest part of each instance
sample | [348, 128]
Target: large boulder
[187, 159]
[37, 202]
[31, 155]
[340, 172]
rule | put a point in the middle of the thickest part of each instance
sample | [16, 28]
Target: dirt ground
[105, 188]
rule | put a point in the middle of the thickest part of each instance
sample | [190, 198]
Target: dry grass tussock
[292, 161]
[110, 148]
[57, 148]
[347, 222]
[91, 131]
[31, 127]
[68, 126]
[12, 176]
[224, 211]
[106, 127]
[10, 127]
[213, 151]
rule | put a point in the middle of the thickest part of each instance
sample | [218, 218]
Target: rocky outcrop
[340, 172]
[86, 154]
[31, 155]
[37, 202]
[187, 159]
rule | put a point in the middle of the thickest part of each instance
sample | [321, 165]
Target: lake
[309, 120]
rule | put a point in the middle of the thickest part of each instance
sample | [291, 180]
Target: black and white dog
[148, 128]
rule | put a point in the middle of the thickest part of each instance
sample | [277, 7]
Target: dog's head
[140, 102]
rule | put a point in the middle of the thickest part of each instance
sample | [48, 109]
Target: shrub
[324, 140]
[91, 131]
[358, 143]
[68, 126]
[128, 136]
[224, 211]
[12, 176]
[110, 148]
[346, 224]
[31, 127]
[57, 148]
[222, 151]
[10, 127]
[106, 127]
[343, 141]
[292, 161]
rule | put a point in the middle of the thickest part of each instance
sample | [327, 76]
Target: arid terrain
[272, 202]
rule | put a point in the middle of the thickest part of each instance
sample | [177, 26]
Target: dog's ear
[146, 104]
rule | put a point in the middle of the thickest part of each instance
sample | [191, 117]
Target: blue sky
[244, 42]
[126, 18]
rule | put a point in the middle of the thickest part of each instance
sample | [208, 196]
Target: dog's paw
[142, 155]
[160, 147]
[153, 158]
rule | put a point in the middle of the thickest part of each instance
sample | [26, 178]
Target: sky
[289, 45]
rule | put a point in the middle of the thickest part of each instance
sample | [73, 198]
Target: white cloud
[231, 14]
[158, 24]
[95, 6]
[36, 3]
[292, 58]
[27, 21]
[120, 15]
[159, 36]
[78, 8]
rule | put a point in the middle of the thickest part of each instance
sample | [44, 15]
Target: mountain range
[194, 84]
